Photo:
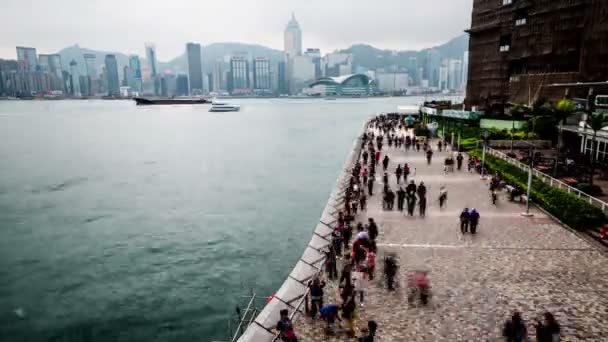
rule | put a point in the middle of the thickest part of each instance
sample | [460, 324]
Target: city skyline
[405, 25]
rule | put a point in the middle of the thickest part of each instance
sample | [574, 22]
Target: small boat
[172, 101]
[224, 107]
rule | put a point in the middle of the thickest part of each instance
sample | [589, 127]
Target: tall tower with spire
[293, 37]
[293, 49]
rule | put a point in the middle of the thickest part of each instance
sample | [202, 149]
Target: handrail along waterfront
[261, 329]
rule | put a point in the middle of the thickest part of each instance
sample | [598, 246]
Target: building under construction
[522, 50]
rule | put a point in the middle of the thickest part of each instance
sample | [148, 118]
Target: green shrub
[570, 209]
[589, 189]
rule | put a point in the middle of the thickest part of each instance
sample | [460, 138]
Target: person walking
[422, 206]
[371, 261]
[370, 185]
[364, 156]
[473, 220]
[390, 198]
[400, 198]
[411, 203]
[348, 314]
[547, 330]
[515, 329]
[285, 327]
[385, 162]
[398, 173]
[362, 201]
[316, 295]
[369, 333]
[372, 229]
[429, 156]
[459, 159]
[464, 220]
[377, 156]
[364, 174]
[421, 190]
[330, 262]
[360, 283]
[406, 172]
[439, 145]
[443, 196]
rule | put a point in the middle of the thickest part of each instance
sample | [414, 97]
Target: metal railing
[545, 178]
[296, 285]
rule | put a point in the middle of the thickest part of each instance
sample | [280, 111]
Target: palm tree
[595, 121]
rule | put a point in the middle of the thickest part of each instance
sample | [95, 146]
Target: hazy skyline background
[124, 26]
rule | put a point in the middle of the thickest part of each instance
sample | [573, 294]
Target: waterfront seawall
[292, 293]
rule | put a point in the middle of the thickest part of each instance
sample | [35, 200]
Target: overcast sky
[125, 25]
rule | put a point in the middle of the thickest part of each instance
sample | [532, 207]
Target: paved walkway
[513, 263]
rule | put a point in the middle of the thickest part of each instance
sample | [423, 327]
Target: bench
[522, 197]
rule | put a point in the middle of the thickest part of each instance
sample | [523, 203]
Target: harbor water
[126, 223]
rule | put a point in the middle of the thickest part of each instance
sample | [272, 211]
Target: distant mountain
[211, 53]
[215, 51]
[364, 55]
[372, 58]
[455, 48]
[76, 53]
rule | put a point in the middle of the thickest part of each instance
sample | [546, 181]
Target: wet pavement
[531, 265]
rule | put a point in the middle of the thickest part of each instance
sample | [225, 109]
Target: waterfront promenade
[531, 265]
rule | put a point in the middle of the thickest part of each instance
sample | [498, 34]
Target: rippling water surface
[125, 223]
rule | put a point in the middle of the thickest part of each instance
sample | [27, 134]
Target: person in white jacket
[359, 281]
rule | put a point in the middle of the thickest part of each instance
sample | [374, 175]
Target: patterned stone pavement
[513, 263]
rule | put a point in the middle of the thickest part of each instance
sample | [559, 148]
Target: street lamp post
[530, 166]
[486, 134]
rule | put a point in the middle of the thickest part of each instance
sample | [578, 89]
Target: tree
[540, 108]
[561, 112]
[595, 121]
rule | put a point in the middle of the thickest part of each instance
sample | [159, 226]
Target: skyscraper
[218, 75]
[135, 82]
[433, 62]
[153, 65]
[443, 78]
[412, 69]
[261, 75]
[75, 78]
[465, 70]
[51, 64]
[454, 74]
[91, 67]
[181, 85]
[239, 75]
[315, 57]
[112, 75]
[282, 87]
[27, 58]
[293, 38]
[195, 68]
[293, 48]
[152, 60]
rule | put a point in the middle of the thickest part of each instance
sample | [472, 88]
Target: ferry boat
[171, 101]
[224, 107]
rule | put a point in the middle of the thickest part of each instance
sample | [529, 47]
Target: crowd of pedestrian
[350, 259]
